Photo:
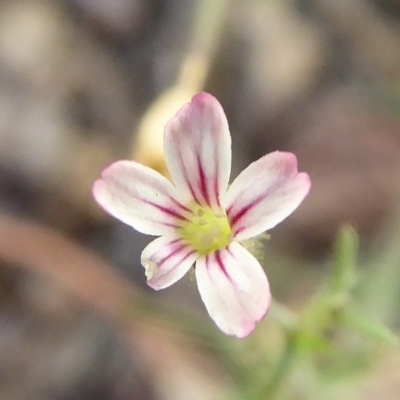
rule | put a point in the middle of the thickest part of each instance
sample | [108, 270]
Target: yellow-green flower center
[207, 229]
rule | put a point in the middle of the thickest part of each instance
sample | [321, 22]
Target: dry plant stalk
[147, 146]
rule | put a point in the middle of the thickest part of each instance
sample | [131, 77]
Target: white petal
[167, 259]
[234, 289]
[264, 194]
[140, 197]
[197, 146]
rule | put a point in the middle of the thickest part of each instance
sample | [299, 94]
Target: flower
[202, 221]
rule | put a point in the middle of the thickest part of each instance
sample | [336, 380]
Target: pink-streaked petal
[234, 289]
[166, 260]
[139, 197]
[265, 193]
[197, 146]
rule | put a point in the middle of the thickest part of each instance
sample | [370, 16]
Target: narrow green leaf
[370, 329]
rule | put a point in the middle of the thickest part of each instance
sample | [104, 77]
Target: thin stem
[268, 390]
[282, 369]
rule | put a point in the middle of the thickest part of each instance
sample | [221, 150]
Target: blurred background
[86, 82]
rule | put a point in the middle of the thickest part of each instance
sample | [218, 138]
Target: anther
[219, 214]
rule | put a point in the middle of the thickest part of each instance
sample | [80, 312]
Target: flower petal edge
[234, 289]
[139, 197]
[197, 147]
[166, 260]
[265, 193]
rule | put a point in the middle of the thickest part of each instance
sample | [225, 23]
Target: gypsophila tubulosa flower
[199, 219]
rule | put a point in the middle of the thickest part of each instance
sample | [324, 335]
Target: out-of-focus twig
[148, 143]
[75, 269]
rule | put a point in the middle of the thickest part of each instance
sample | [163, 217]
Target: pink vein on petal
[169, 244]
[221, 264]
[203, 182]
[167, 273]
[216, 183]
[177, 250]
[166, 210]
[243, 211]
[181, 206]
[191, 189]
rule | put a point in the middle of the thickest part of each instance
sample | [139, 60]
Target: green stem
[270, 390]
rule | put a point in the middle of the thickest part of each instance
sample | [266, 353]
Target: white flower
[199, 219]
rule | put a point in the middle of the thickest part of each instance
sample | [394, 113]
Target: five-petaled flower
[202, 221]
